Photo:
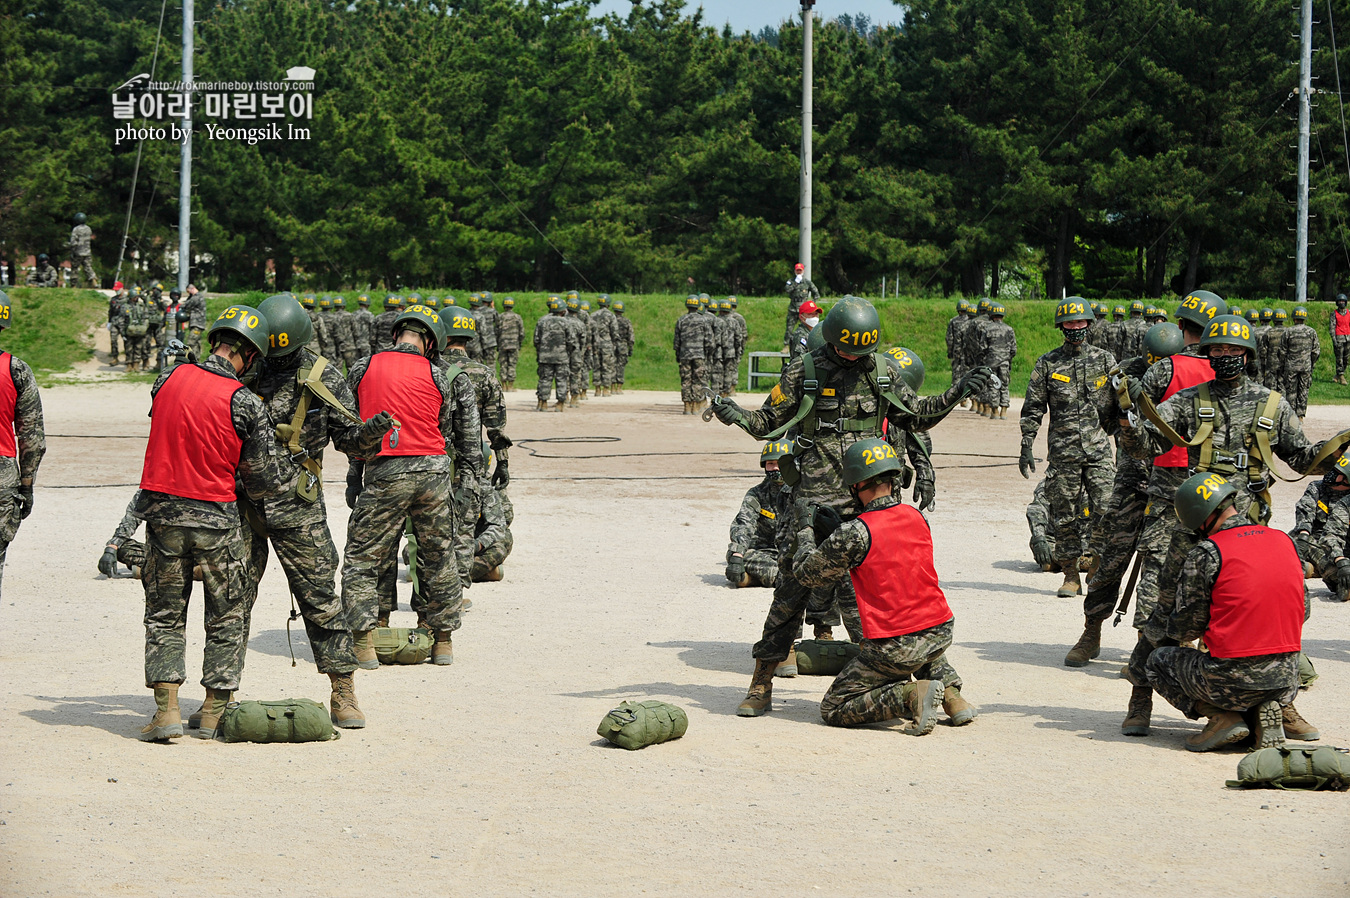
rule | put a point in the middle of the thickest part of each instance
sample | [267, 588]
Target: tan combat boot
[824, 631]
[1071, 586]
[1140, 712]
[1088, 646]
[493, 575]
[168, 721]
[382, 621]
[960, 711]
[442, 652]
[212, 709]
[1295, 727]
[922, 699]
[365, 650]
[572, 400]
[686, 409]
[560, 405]
[1267, 725]
[342, 706]
[759, 700]
[1224, 728]
[541, 405]
[195, 719]
[788, 666]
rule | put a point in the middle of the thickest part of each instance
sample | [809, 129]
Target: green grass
[47, 325]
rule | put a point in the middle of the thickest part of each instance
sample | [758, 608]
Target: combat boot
[442, 652]
[922, 699]
[559, 406]
[542, 405]
[1089, 645]
[960, 711]
[509, 386]
[1003, 413]
[788, 666]
[824, 631]
[195, 718]
[342, 706]
[212, 709]
[365, 650]
[382, 621]
[759, 700]
[1140, 712]
[686, 409]
[572, 400]
[1266, 722]
[1071, 586]
[1295, 727]
[167, 722]
[493, 575]
[1224, 728]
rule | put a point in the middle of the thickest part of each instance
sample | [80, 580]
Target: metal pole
[185, 168]
[804, 228]
[1304, 114]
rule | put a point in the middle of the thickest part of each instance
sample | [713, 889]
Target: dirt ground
[488, 778]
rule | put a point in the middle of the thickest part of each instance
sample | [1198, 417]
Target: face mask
[1075, 337]
[812, 322]
[1228, 367]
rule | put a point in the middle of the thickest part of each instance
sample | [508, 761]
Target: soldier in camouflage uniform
[43, 274]
[23, 442]
[693, 348]
[337, 342]
[799, 290]
[1241, 589]
[1099, 329]
[1131, 340]
[345, 334]
[974, 344]
[1301, 349]
[906, 622]
[1271, 348]
[555, 342]
[604, 334]
[740, 336]
[623, 345]
[1071, 383]
[724, 346]
[956, 337]
[1000, 348]
[135, 326]
[123, 546]
[492, 539]
[752, 555]
[577, 347]
[1310, 522]
[204, 410]
[407, 482]
[1044, 536]
[382, 333]
[363, 327]
[81, 253]
[116, 306]
[851, 400]
[1332, 547]
[510, 334]
[488, 331]
[195, 306]
[809, 314]
[1259, 367]
[1338, 327]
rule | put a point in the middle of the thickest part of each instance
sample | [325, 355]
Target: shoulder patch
[1055, 375]
[1101, 382]
[768, 514]
[776, 396]
[1323, 506]
[827, 391]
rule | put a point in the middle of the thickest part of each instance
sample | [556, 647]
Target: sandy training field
[487, 777]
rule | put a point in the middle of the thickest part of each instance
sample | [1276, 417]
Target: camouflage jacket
[1131, 339]
[1099, 335]
[195, 305]
[798, 290]
[29, 434]
[693, 337]
[382, 332]
[555, 341]
[487, 319]
[510, 331]
[487, 391]
[580, 347]
[1301, 349]
[1000, 345]
[1271, 347]
[80, 237]
[1334, 540]
[1072, 384]
[756, 524]
[956, 336]
[363, 331]
[1314, 506]
[973, 339]
[43, 277]
[797, 342]
[341, 332]
[723, 338]
[604, 327]
[624, 344]
[264, 470]
[117, 304]
[1162, 481]
[742, 331]
[130, 523]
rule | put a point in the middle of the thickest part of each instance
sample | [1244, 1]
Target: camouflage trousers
[137, 350]
[377, 521]
[731, 369]
[868, 689]
[84, 265]
[1114, 538]
[1341, 346]
[793, 603]
[9, 521]
[1063, 481]
[116, 340]
[1155, 539]
[510, 358]
[549, 372]
[193, 339]
[604, 368]
[620, 363]
[310, 561]
[491, 556]
[489, 357]
[577, 375]
[762, 566]
[693, 380]
[1296, 387]
[229, 590]
[714, 374]
[999, 397]
[468, 508]
[1186, 677]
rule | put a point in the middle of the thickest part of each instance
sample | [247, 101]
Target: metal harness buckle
[1265, 423]
[810, 385]
[1205, 413]
[837, 425]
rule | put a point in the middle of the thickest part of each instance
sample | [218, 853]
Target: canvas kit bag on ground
[637, 725]
[824, 657]
[1304, 769]
[288, 720]
[402, 645]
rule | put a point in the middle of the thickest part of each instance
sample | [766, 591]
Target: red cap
[117, 285]
[799, 267]
[807, 309]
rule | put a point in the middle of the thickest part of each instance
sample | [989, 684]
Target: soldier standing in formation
[23, 440]
[363, 327]
[81, 253]
[1339, 325]
[345, 329]
[693, 349]
[510, 334]
[382, 333]
[135, 326]
[578, 349]
[555, 342]
[623, 345]
[1258, 366]
[956, 335]
[731, 370]
[485, 313]
[1301, 350]
[1271, 347]
[752, 555]
[604, 336]
[1099, 329]
[116, 306]
[799, 290]
[724, 345]
[973, 345]
[1000, 348]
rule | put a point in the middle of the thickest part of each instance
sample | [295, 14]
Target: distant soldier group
[979, 337]
[710, 340]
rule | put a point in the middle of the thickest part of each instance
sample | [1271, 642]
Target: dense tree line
[1016, 147]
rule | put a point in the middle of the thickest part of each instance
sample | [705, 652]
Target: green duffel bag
[1305, 769]
[824, 657]
[633, 726]
[289, 720]
[402, 645]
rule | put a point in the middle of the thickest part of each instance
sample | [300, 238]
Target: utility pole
[1304, 115]
[185, 167]
[804, 227]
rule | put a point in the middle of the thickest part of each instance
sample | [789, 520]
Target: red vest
[1341, 323]
[1187, 371]
[1256, 606]
[897, 586]
[400, 383]
[193, 449]
[9, 398]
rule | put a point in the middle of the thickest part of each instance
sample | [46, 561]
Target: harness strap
[810, 385]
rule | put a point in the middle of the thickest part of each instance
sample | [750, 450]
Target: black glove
[23, 497]
[107, 565]
[501, 475]
[727, 411]
[355, 475]
[975, 381]
[735, 569]
[925, 494]
[1027, 462]
[1135, 367]
[376, 427]
[1343, 579]
[824, 521]
[1136, 390]
[1040, 550]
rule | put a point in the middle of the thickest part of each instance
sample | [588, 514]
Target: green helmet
[307, 301]
[1254, 316]
[816, 339]
[602, 300]
[432, 302]
[79, 218]
[1200, 307]
[572, 294]
[487, 298]
[1199, 496]
[585, 305]
[982, 306]
[1281, 316]
[703, 300]
[910, 366]
[1229, 329]
[1267, 315]
[773, 450]
[573, 304]
[1073, 308]
[508, 302]
[733, 301]
[1118, 313]
[1300, 313]
[618, 307]
[325, 303]
[363, 300]
[1150, 311]
[1099, 309]
[419, 318]
[1136, 308]
[475, 300]
[867, 459]
[392, 301]
[288, 326]
[554, 304]
[996, 310]
[691, 301]
[339, 302]
[459, 324]
[5, 314]
[241, 321]
[724, 305]
[448, 300]
[1163, 340]
[962, 305]
[414, 299]
[852, 326]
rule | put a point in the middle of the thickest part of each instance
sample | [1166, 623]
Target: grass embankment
[47, 325]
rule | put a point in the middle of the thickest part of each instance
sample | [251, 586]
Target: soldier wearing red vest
[887, 551]
[1340, 336]
[1241, 589]
[409, 478]
[208, 437]
[22, 440]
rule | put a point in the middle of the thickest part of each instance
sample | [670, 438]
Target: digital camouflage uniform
[1271, 348]
[1000, 348]
[82, 254]
[604, 336]
[957, 326]
[623, 345]
[724, 347]
[1042, 526]
[799, 290]
[578, 351]
[135, 328]
[731, 363]
[117, 304]
[195, 306]
[797, 342]
[343, 331]
[973, 342]
[184, 533]
[1301, 350]
[43, 276]
[18, 474]
[1131, 338]
[754, 529]
[382, 333]
[492, 539]
[693, 348]
[1185, 676]
[363, 332]
[488, 335]
[510, 334]
[1072, 383]
[1334, 543]
[555, 342]
[1310, 521]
